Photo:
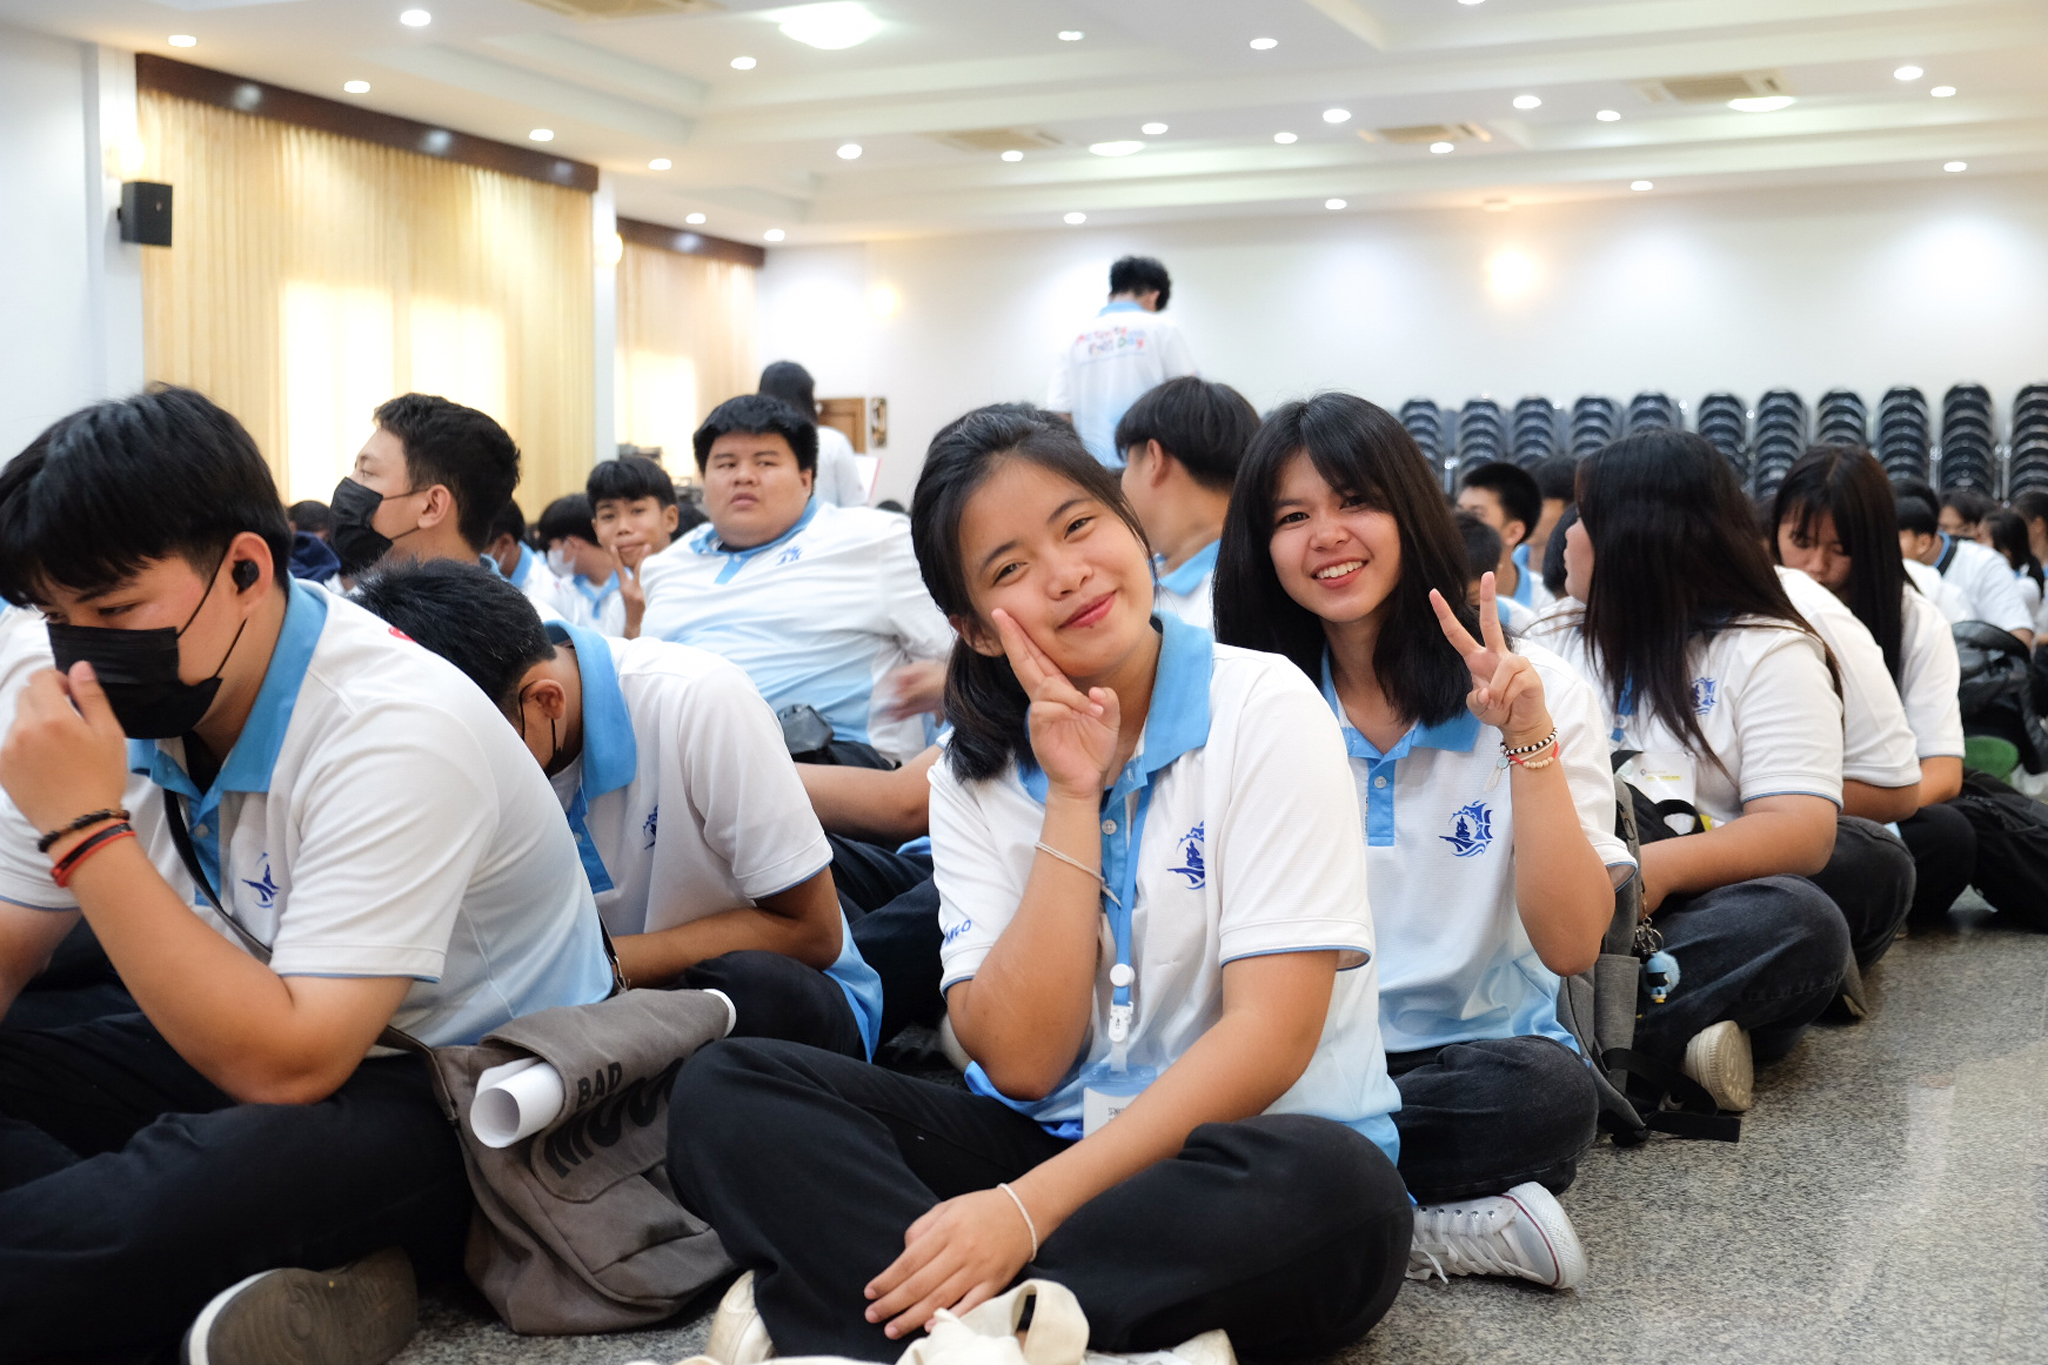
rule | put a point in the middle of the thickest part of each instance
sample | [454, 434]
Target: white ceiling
[756, 150]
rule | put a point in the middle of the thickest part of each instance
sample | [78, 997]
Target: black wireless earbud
[243, 575]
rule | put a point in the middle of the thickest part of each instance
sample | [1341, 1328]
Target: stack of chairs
[1841, 420]
[1647, 411]
[1780, 437]
[1724, 421]
[1533, 434]
[1969, 447]
[1905, 441]
[1595, 422]
[2027, 470]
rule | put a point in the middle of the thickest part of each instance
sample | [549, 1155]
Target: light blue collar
[1178, 720]
[706, 542]
[611, 757]
[1188, 576]
[249, 764]
[1121, 306]
[1457, 735]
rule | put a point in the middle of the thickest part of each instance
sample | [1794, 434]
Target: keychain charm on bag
[1660, 969]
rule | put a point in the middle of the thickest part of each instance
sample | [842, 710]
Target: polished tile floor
[1886, 1204]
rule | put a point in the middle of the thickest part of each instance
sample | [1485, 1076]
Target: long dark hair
[1366, 452]
[1848, 484]
[1676, 560]
[984, 701]
[2009, 537]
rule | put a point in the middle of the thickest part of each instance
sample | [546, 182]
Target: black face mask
[138, 670]
[355, 542]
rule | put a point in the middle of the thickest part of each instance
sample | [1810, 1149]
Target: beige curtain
[686, 344]
[314, 276]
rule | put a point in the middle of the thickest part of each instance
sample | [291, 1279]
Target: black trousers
[1482, 1117]
[1943, 843]
[1290, 1232]
[1870, 878]
[774, 996]
[132, 1189]
[1767, 954]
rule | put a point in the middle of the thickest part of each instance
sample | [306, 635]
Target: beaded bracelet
[86, 821]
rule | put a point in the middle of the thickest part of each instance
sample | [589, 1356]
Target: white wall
[70, 294]
[1925, 283]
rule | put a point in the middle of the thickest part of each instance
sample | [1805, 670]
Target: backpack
[2012, 847]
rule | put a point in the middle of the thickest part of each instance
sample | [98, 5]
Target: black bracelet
[85, 821]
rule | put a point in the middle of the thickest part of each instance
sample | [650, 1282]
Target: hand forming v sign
[1073, 737]
[1506, 691]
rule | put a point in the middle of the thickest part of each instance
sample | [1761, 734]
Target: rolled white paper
[515, 1101]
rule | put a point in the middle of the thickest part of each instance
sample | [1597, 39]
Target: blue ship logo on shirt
[1192, 867]
[790, 556]
[653, 821]
[1705, 692]
[266, 890]
[1471, 830]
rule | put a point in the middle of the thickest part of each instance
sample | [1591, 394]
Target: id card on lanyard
[1109, 1086]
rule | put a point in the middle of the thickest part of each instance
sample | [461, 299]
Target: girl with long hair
[1158, 955]
[1489, 819]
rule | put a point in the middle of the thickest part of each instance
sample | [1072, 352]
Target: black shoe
[361, 1314]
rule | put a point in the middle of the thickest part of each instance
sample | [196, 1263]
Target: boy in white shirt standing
[1121, 352]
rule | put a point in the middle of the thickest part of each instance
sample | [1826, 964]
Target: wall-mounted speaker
[145, 212]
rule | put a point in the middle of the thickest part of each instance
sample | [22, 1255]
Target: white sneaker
[361, 1314]
[1523, 1233]
[1719, 1059]
[738, 1336]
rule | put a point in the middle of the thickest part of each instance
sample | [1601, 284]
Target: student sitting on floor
[820, 604]
[1158, 954]
[427, 484]
[634, 511]
[1713, 681]
[382, 851]
[1489, 826]
[1182, 442]
[708, 866]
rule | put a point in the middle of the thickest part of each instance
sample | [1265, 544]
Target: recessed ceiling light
[542, 135]
[356, 87]
[1076, 219]
[1283, 138]
[182, 40]
[832, 26]
[1908, 73]
[1336, 115]
[1441, 147]
[1609, 116]
[415, 18]
[1122, 148]
[1013, 155]
[694, 219]
[744, 63]
[1955, 166]
[1761, 104]
[1528, 101]
[773, 235]
[850, 152]
[1640, 185]
[1335, 204]
[1264, 44]
[1071, 35]
[660, 163]
[1153, 129]
[1942, 92]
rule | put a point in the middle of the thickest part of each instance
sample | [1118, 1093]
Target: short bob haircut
[463, 450]
[984, 701]
[1141, 275]
[121, 484]
[1204, 425]
[759, 414]
[466, 614]
[629, 478]
[1849, 485]
[1364, 451]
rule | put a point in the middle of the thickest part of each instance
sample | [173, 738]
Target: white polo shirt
[818, 615]
[1438, 819]
[1930, 678]
[668, 726]
[1985, 580]
[1186, 592]
[1763, 698]
[1111, 360]
[1246, 844]
[1878, 747]
[381, 819]
[1947, 598]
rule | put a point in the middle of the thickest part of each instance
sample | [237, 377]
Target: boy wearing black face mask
[289, 828]
[427, 484]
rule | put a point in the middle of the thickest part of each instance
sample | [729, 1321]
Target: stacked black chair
[1780, 437]
[1647, 411]
[1725, 422]
[1969, 449]
[1482, 434]
[1534, 431]
[1905, 436]
[1595, 422]
[2027, 472]
[1841, 420]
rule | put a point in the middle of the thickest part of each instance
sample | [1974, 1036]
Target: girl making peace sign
[1488, 818]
